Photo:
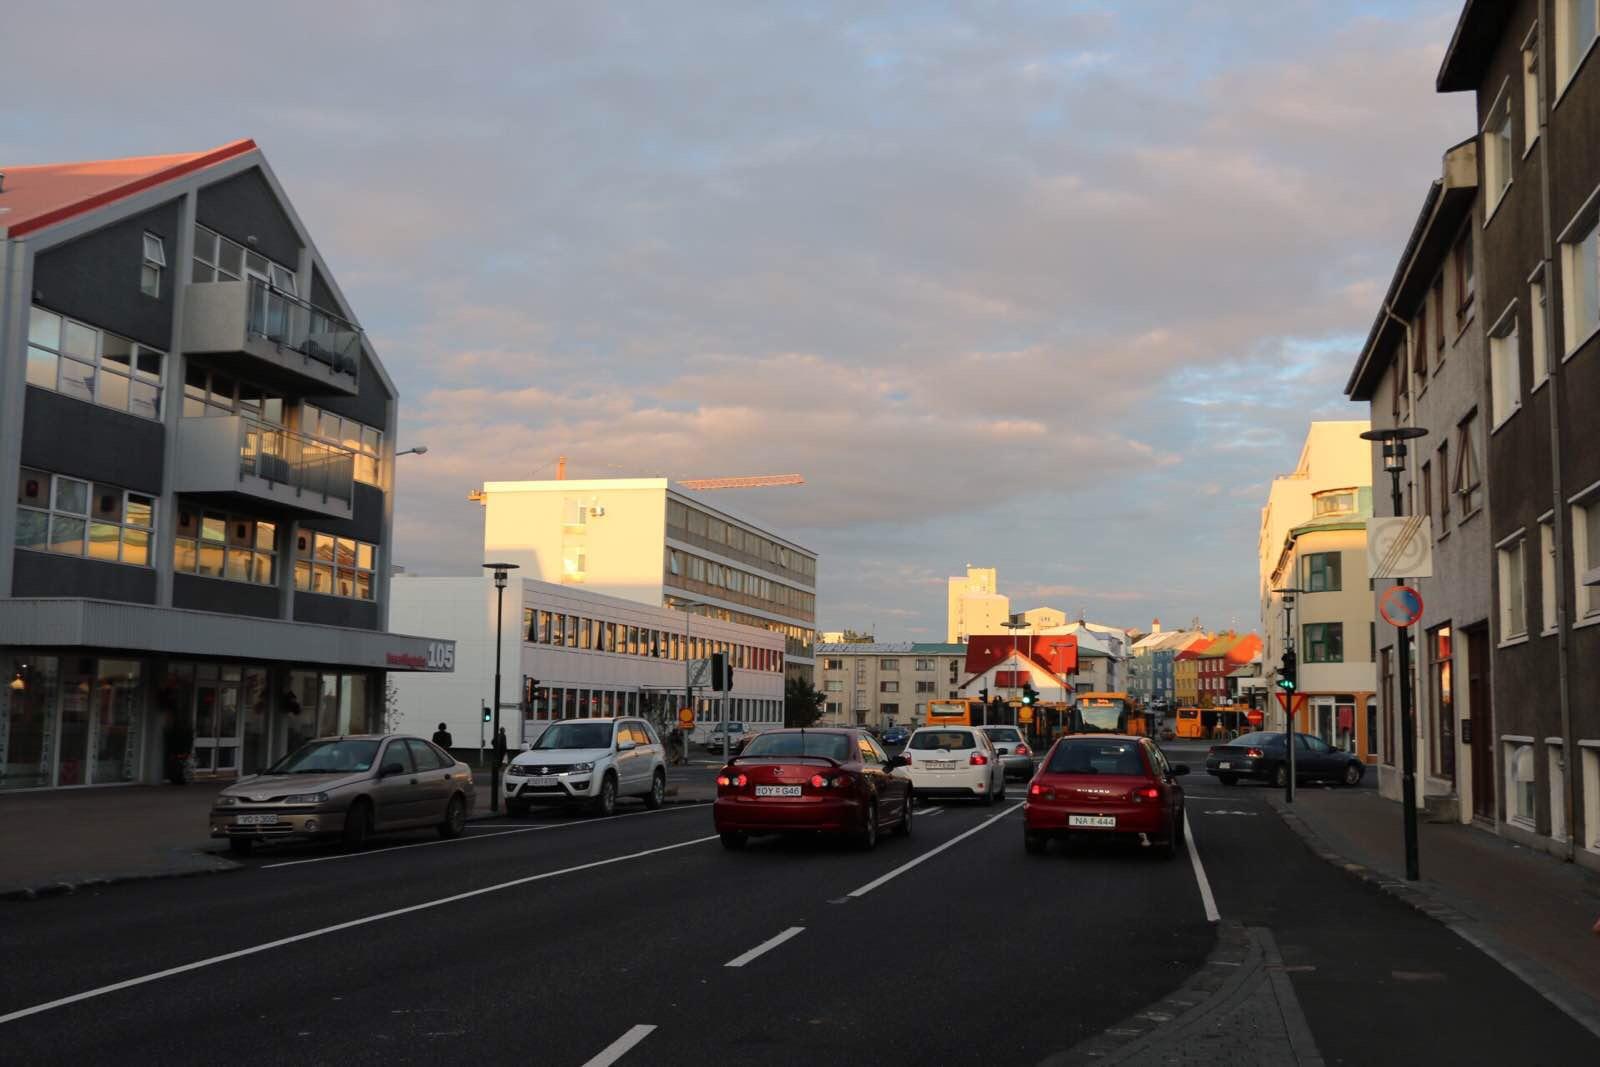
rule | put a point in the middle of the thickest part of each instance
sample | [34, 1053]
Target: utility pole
[1289, 686]
[501, 570]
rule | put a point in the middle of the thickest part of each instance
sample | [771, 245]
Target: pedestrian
[442, 738]
[499, 746]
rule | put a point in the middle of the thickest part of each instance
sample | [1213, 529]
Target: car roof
[1102, 737]
[597, 718]
[812, 730]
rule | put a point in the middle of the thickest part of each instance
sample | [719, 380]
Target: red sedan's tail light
[1146, 792]
[978, 759]
[819, 782]
[1254, 753]
[1043, 792]
[1022, 750]
[733, 780]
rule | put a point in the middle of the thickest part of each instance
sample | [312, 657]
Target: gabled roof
[1471, 45]
[35, 196]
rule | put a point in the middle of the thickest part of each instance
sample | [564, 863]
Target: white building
[568, 653]
[886, 683]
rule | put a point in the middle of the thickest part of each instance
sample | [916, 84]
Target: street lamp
[688, 689]
[1016, 666]
[501, 570]
[419, 450]
[1393, 439]
[1288, 596]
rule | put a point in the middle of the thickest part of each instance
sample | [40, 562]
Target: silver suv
[589, 761]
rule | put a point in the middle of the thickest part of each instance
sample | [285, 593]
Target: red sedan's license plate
[1099, 822]
[777, 790]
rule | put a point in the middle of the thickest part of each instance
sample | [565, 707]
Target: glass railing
[292, 459]
[292, 323]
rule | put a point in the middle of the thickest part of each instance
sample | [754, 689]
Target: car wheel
[904, 829]
[658, 791]
[241, 846]
[455, 818]
[1001, 795]
[1228, 779]
[1352, 774]
[1280, 776]
[606, 802]
[358, 823]
[734, 840]
[517, 809]
[1034, 844]
[867, 836]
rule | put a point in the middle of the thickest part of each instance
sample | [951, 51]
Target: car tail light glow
[1147, 792]
[818, 782]
[734, 780]
[1022, 750]
[978, 759]
[1043, 792]
[1254, 753]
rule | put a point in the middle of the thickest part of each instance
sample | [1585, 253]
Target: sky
[1050, 287]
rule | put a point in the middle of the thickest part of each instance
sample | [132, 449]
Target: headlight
[306, 798]
[517, 770]
[227, 802]
[580, 768]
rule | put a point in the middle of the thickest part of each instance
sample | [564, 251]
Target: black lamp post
[1393, 439]
[1291, 692]
[501, 570]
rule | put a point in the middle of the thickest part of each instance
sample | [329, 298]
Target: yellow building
[974, 605]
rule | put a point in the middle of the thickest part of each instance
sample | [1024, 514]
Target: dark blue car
[896, 735]
[1263, 757]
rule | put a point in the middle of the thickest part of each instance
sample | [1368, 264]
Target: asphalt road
[551, 939]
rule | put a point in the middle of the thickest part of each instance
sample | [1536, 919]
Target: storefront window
[354, 710]
[254, 701]
[26, 750]
[77, 680]
[301, 703]
[328, 706]
[118, 709]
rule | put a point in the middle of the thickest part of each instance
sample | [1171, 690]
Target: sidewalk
[1528, 910]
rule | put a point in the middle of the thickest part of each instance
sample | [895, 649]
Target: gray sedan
[1012, 749]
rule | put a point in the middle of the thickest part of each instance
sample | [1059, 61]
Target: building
[1151, 674]
[1039, 619]
[646, 540]
[1220, 659]
[1534, 292]
[888, 683]
[568, 652]
[1426, 367]
[1186, 672]
[200, 442]
[1247, 685]
[975, 606]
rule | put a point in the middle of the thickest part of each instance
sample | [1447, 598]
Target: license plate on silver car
[256, 820]
[777, 790]
[1225, 766]
[1101, 822]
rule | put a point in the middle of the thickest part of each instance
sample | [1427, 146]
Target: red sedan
[828, 781]
[1099, 785]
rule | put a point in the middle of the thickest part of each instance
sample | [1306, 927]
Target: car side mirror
[899, 760]
[1179, 769]
[627, 746]
[391, 769]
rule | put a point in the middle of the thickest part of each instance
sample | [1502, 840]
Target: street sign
[1400, 547]
[1253, 717]
[699, 673]
[1400, 605]
[1024, 714]
[686, 718]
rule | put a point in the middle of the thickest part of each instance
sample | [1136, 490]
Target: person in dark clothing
[442, 738]
[500, 746]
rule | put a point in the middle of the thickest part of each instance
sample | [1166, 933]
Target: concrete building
[1532, 273]
[646, 540]
[568, 653]
[975, 605]
[1220, 658]
[1039, 619]
[887, 683]
[1426, 367]
[1151, 673]
[199, 440]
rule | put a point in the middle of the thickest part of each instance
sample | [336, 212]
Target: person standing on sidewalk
[442, 738]
[500, 746]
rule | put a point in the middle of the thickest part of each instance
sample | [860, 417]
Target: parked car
[349, 788]
[954, 761]
[896, 735]
[828, 781]
[589, 761]
[1105, 785]
[1263, 757]
[1015, 756]
[713, 741]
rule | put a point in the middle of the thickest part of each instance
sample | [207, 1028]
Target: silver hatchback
[1013, 750]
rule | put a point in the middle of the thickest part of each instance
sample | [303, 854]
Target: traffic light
[1030, 695]
[486, 715]
[721, 673]
[1286, 671]
[983, 695]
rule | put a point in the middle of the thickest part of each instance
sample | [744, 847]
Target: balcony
[283, 338]
[257, 463]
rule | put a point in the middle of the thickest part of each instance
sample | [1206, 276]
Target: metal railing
[300, 462]
[292, 323]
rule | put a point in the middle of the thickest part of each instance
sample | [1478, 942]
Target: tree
[802, 702]
[856, 637]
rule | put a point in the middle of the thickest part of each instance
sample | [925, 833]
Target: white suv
[954, 761]
[592, 761]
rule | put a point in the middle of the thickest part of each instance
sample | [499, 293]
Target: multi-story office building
[975, 605]
[198, 439]
[1532, 273]
[887, 683]
[1424, 366]
[645, 540]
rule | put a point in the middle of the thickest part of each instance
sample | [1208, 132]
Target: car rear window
[1256, 739]
[1003, 734]
[832, 746]
[1097, 757]
[929, 740]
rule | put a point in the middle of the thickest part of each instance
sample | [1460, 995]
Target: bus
[957, 712]
[1214, 724]
[1108, 713]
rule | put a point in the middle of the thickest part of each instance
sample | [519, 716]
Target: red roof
[33, 197]
[1056, 653]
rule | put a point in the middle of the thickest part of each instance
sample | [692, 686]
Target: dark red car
[828, 781]
[1099, 785]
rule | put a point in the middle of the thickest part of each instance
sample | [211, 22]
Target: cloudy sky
[1052, 287]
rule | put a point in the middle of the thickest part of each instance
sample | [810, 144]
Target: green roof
[937, 648]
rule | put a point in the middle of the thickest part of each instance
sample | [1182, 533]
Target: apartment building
[199, 440]
[974, 605]
[886, 684]
[1151, 664]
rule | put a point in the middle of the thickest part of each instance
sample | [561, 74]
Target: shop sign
[441, 656]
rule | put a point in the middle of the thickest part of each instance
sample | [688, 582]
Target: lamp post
[1289, 731]
[1393, 441]
[419, 450]
[501, 570]
[688, 690]
[1016, 666]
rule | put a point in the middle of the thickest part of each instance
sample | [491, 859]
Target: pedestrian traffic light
[1286, 671]
[486, 716]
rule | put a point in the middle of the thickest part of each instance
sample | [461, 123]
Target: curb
[47, 890]
[1571, 1001]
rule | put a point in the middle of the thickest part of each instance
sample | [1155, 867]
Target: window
[926, 687]
[340, 566]
[1436, 298]
[1336, 502]
[1323, 573]
[833, 664]
[1580, 284]
[1324, 642]
[574, 559]
[78, 518]
[67, 356]
[1520, 784]
[890, 710]
[1513, 609]
[1547, 576]
[833, 685]
[1468, 474]
[363, 440]
[1536, 330]
[1441, 705]
[1575, 33]
[1505, 384]
[1465, 286]
[1530, 89]
[1419, 362]
[1497, 151]
[888, 687]
[1426, 502]
[1586, 555]
[888, 664]
[1444, 487]
[233, 547]
[924, 664]
[155, 262]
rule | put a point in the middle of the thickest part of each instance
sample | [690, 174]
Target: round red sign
[1400, 605]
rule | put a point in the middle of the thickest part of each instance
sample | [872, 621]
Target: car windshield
[943, 740]
[772, 743]
[575, 735]
[329, 757]
[1097, 757]
[1008, 735]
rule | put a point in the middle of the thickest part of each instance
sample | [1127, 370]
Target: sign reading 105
[441, 655]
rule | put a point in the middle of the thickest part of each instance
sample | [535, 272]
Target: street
[555, 938]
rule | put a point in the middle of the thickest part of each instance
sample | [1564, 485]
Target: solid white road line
[930, 811]
[621, 1046]
[766, 946]
[101, 991]
[1206, 899]
[478, 837]
[928, 855]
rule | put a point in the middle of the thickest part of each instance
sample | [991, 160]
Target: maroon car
[828, 781]
[1105, 785]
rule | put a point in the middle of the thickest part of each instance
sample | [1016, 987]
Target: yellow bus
[1108, 713]
[1213, 724]
[956, 712]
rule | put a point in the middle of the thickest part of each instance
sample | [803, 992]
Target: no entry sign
[1400, 605]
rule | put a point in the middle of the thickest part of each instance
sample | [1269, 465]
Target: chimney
[561, 469]
[2, 181]
[1155, 626]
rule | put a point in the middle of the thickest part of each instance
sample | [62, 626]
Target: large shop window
[71, 357]
[334, 566]
[214, 545]
[70, 721]
[77, 518]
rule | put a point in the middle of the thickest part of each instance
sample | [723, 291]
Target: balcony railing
[295, 460]
[292, 323]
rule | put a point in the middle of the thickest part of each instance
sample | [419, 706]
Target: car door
[1172, 791]
[396, 797]
[433, 785]
[641, 763]
[877, 776]
[894, 791]
[1326, 761]
[629, 758]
